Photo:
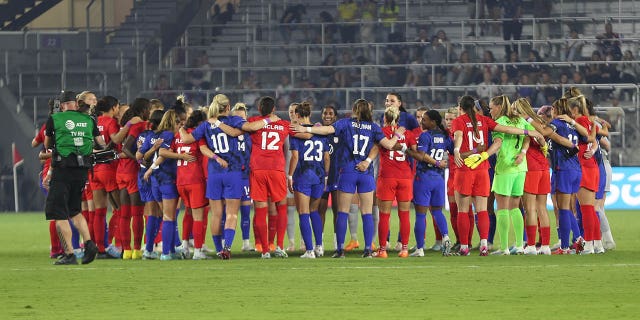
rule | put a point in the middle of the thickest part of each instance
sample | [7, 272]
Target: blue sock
[341, 229]
[575, 227]
[223, 219]
[524, 234]
[579, 218]
[441, 221]
[316, 225]
[167, 236]
[75, 236]
[245, 221]
[305, 230]
[176, 233]
[492, 228]
[229, 234]
[151, 232]
[565, 227]
[368, 230]
[217, 242]
[420, 228]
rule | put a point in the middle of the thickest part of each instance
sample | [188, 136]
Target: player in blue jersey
[309, 164]
[240, 110]
[359, 134]
[329, 116]
[429, 190]
[224, 181]
[163, 180]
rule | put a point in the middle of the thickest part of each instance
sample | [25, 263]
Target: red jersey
[469, 139]
[131, 166]
[268, 145]
[40, 139]
[536, 161]
[188, 172]
[396, 164]
[583, 147]
[107, 127]
[204, 161]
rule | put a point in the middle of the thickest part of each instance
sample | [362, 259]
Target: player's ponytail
[562, 107]
[218, 105]
[362, 111]
[503, 102]
[580, 104]
[526, 109]
[572, 92]
[468, 105]
[437, 117]
[303, 110]
[391, 116]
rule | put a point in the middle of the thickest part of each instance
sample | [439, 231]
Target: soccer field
[246, 287]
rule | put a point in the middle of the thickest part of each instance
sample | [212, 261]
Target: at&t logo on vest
[70, 125]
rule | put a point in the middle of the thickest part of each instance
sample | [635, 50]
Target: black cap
[66, 96]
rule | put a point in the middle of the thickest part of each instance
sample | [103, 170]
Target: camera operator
[71, 135]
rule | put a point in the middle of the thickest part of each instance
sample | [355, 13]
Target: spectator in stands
[423, 39]
[195, 87]
[513, 69]
[549, 91]
[368, 15]
[202, 63]
[577, 78]
[609, 42]
[348, 13]
[292, 14]
[348, 76]
[329, 76]
[629, 72]
[388, 13]
[511, 25]
[250, 84]
[475, 8]
[541, 10]
[330, 28]
[415, 72]
[506, 86]
[284, 90]
[525, 90]
[307, 93]
[222, 12]
[436, 54]
[442, 37]
[488, 57]
[463, 73]
[572, 48]
[161, 88]
[486, 88]
[494, 10]
[394, 76]
[534, 69]
[370, 73]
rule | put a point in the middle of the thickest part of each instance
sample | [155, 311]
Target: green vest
[73, 132]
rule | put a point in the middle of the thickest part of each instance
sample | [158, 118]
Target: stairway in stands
[16, 14]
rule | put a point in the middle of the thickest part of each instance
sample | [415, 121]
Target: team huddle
[219, 160]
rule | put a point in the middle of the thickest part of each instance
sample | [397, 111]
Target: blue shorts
[226, 185]
[163, 191]
[602, 183]
[246, 191]
[566, 181]
[352, 182]
[313, 191]
[429, 190]
[144, 189]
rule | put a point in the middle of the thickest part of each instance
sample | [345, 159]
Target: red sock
[463, 228]
[383, 228]
[405, 227]
[453, 214]
[137, 212]
[205, 221]
[281, 226]
[472, 223]
[588, 213]
[545, 234]
[99, 226]
[187, 225]
[198, 236]
[435, 228]
[539, 233]
[256, 232]
[53, 237]
[124, 228]
[260, 226]
[272, 224]
[113, 228]
[531, 234]
[483, 224]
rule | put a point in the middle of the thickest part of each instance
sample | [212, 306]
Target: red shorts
[473, 183]
[590, 178]
[87, 193]
[265, 184]
[450, 183]
[127, 181]
[389, 189]
[104, 180]
[537, 182]
[193, 195]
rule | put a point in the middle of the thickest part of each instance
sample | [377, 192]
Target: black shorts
[65, 193]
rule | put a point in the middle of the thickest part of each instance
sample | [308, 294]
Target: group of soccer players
[217, 160]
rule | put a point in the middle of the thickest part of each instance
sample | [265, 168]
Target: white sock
[353, 220]
[445, 237]
[483, 242]
[291, 224]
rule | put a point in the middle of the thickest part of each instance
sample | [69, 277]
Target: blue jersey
[168, 167]
[244, 145]
[561, 159]
[406, 120]
[357, 140]
[223, 145]
[333, 142]
[144, 141]
[435, 144]
[310, 167]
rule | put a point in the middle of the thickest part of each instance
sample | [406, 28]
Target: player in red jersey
[471, 130]
[395, 182]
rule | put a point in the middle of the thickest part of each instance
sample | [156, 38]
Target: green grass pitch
[433, 287]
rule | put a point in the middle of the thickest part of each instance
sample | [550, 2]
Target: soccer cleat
[367, 254]
[381, 253]
[445, 248]
[556, 246]
[136, 255]
[464, 252]
[419, 252]
[513, 250]
[258, 247]
[127, 254]
[90, 252]
[544, 250]
[56, 254]
[78, 253]
[609, 244]
[319, 251]
[158, 247]
[598, 247]
[353, 244]
[272, 247]
[309, 254]
[225, 254]
[338, 254]
[184, 247]
[398, 246]
[530, 251]
[484, 251]
[166, 257]
[403, 253]
[66, 259]
[265, 255]
[114, 252]
[206, 249]
[456, 247]
[561, 251]
[588, 248]
[506, 252]
[178, 256]
[180, 253]
[497, 252]
[146, 255]
[579, 245]
[246, 246]
[517, 251]
[291, 247]
[279, 253]
[199, 255]
[436, 247]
